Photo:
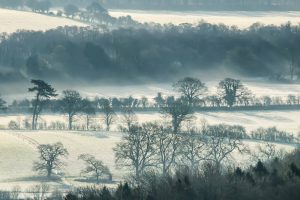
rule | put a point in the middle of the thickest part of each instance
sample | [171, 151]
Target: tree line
[231, 93]
[135, 55]
[249, 5]
[179, 109]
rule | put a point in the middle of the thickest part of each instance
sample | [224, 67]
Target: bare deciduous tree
[89, 110]
[39, 192]
[94, 166]
[193, 149]
[266, 151]
[50, 158]
[43, 91]
[191, 89]
[230, 90]
[137, 150]
[167, 146]
[144, 102]
[109, 114]
[129, 117]
[71, 104]
[222, 141]
[293, 61]
[178, 110]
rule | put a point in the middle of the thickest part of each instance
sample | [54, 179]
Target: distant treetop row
[176, 4]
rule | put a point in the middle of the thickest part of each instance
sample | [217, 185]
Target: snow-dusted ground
[18, 152]
[232, 18]
[283, 120]
[11, 21]
[251, 120]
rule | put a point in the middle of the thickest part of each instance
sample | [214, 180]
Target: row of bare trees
[153, 147]
[71, 104]
[191, 92]
[167, 147]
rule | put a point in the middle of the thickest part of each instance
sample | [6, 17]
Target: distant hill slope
[11, 21]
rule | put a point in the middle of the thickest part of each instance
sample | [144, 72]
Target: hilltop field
[12, 21]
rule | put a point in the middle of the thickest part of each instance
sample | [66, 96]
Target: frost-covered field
[283, 120]
[11, 21]
[17, 154]
[240, 19]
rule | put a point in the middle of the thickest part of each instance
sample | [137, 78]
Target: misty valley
[149, 100]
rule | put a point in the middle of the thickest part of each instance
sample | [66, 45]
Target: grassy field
[12, 21]
[230, 18]
[251, 120]
[18, 152]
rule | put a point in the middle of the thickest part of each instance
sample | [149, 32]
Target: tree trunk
[107, 124]
[70, 122]
[49, 173]
[164, 169]
[87, 122]
[97, 178]
[34, 115]
[137, 174]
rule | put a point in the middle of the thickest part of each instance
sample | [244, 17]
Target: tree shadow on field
[41, 179]
[270, 118]
[100, 135]
[94, 181]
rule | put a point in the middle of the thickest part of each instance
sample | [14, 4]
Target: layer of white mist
[251, 120]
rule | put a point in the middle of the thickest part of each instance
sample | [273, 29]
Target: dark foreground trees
[50, 156]
[277, 179]
[43, 92]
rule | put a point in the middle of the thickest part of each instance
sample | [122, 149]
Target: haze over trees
[111, 59]
[2, 103]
